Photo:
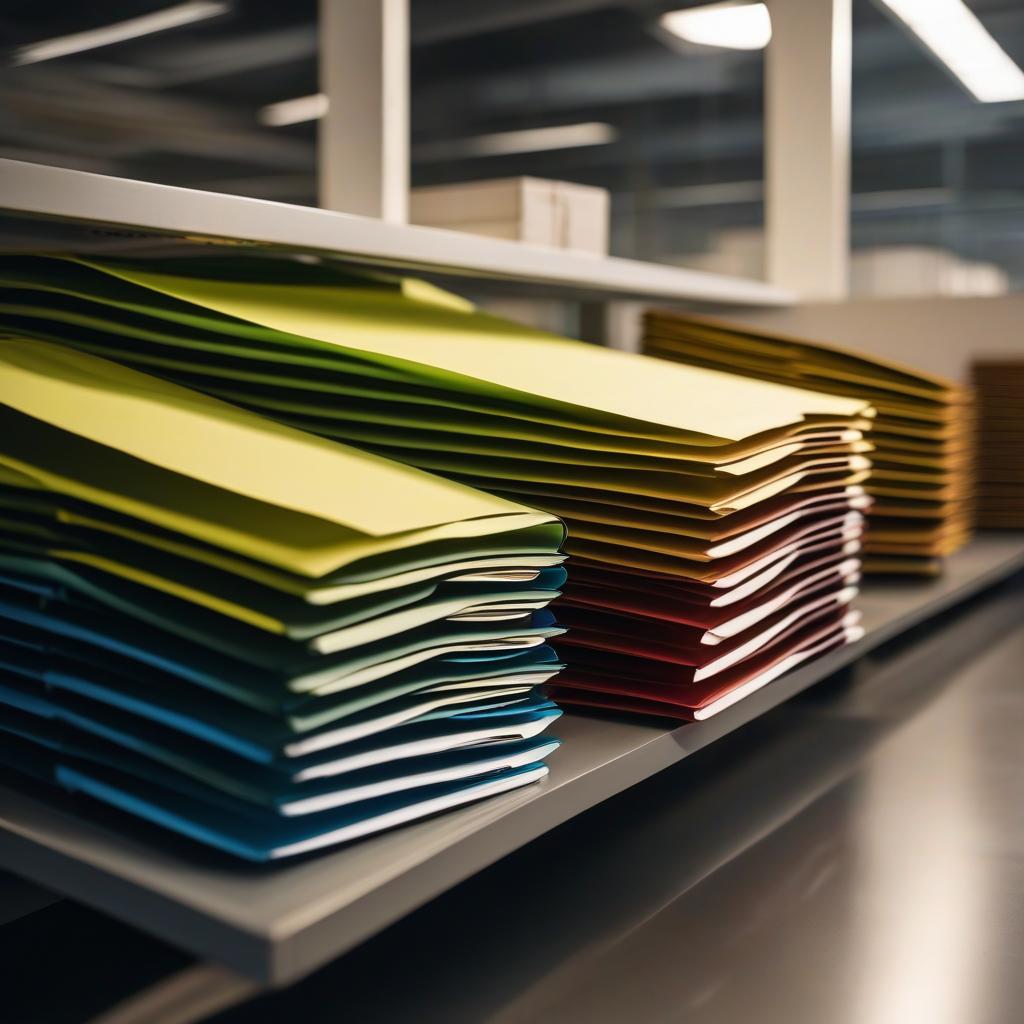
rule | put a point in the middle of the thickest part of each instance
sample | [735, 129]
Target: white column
[616, 324]
[807, 147]
[364, 136]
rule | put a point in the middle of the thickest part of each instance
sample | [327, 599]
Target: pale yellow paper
[388, 325]
[281, 496]
[201, 437]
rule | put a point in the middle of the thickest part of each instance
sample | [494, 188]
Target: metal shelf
[277, 924]
[53, 208]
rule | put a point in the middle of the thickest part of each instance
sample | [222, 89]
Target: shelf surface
[870, 829]
[277, 924]
[53, 208]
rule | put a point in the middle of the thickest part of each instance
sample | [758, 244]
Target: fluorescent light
[534, 140]
[723, 193]
[302, 108]
[734, 26]
[953, 33]
[898, 199]
[528, 140]
[144, 25]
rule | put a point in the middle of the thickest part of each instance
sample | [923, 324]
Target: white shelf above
[53, 208]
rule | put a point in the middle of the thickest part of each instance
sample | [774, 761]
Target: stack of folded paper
[922, 471]
[714, 521]
[258, 638]
[999, 393]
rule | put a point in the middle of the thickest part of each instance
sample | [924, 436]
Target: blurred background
[870, 828]
[223, 95]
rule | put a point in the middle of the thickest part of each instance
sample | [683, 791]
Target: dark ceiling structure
[930, 165]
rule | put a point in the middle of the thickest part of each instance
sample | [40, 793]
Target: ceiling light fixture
[527, 140]
[732, 25]
[302, 108]
[954, 34]
[119, 32]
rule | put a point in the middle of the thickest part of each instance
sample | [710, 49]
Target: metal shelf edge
[208, 218]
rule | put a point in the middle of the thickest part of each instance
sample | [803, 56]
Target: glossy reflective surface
[857, 858]
[854, 857]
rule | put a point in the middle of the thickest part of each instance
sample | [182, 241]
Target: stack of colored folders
[714, 521]
[999, 395]
[922, 475]
[263, 640]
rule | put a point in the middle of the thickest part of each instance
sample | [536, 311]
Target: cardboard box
[553, 213]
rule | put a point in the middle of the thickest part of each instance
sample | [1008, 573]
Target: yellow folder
[110, 435]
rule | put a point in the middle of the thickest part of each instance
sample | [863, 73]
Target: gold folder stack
[999, 396]
[263, 640]
[923, 435]
[714, 521]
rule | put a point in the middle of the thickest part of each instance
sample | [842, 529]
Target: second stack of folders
[265, 641]
[923, 465]
[714, 521]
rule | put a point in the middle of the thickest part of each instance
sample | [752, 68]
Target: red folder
[663, 690]
[685, 646]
